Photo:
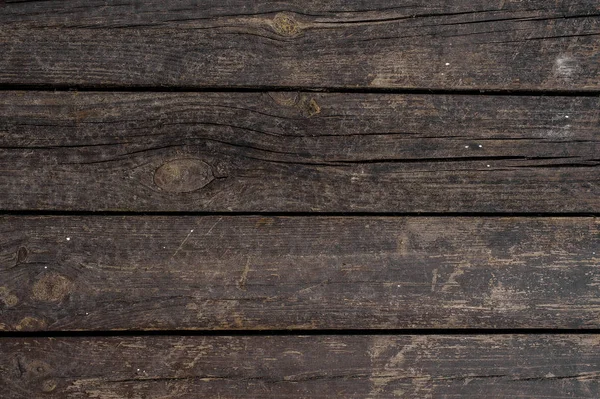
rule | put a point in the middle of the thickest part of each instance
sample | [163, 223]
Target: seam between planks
[266, 89]
[302, 214]
[302, 332]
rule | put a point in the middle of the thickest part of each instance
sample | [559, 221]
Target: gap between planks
[299, 89]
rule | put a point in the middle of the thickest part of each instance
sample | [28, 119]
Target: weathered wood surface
[456, 44]
[308, 152]
[256, 273]
[424, 367]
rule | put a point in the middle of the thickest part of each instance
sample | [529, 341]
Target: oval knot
[183, 175]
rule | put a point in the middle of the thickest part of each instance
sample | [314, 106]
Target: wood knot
[38, 368]
[183, 175]
[49, 385]
[285, 25]
[312, 108]
[308, 106]
[7, 297]
[30, 324]
[52, 288]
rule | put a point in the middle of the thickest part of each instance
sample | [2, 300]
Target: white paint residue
[565, 67]
[506, 299]
[68, 238]
[560, 132]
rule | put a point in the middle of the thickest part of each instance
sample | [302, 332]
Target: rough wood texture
[424, 367]
[455, 44]
[239, 272]
[308, 152]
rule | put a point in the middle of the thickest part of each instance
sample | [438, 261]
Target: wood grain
[298, 152]
[455, 44]
[449, 367]
[263, 273]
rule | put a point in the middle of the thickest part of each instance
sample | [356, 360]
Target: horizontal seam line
[300, 332]
[294, 214]
[332, 89]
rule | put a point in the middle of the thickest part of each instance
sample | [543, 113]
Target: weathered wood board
[269, 273]
[449, 367]
[298, 152]
[456, 44]
[214, 177]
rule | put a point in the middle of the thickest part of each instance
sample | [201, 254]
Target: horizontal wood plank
[449, 367]
[302, 152]
[262, 273]
[455, 44]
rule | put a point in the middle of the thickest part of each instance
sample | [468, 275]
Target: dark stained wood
[316, 132]
[449, 367]
[307, 152]
[257, 273]
[455, 44]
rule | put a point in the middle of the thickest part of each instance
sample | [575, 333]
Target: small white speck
[45, 267]
[567, 116]
[479, 146]
[86, 313]
[447, 63]
[192, 230]
[442, 74]
[138, 369]
[593, 253]
[466, 146]
[164, 247]
[398, 285]
[487, 166]
[68, 238]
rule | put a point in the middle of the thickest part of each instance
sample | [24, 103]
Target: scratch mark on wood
[434, 280]
[244, 277]
[451, 282]
[213, 226]
[182, 243]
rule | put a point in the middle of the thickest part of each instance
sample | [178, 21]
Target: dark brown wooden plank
[450, 44]
[449, 367]
[307, 152]
[242, 272]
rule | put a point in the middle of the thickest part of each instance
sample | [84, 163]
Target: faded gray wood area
[332, 199]
[450, 367]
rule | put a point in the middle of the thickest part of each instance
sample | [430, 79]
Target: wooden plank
[450, 44]
[261, 273]
[304, 152]
[449, 367]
